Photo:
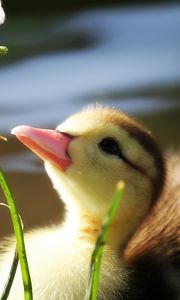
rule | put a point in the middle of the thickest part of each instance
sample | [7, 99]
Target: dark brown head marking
[147, 141]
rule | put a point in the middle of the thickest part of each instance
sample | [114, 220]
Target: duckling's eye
[110, 146]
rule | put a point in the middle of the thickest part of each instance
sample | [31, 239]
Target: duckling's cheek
[76, 151]
[82, 154]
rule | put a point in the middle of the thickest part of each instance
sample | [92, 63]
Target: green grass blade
[19, 237]
[10, 280]
[12, 272]
[96, 257]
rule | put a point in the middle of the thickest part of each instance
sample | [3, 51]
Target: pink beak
[48, 144]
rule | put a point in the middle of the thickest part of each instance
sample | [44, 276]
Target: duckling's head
[90, 152]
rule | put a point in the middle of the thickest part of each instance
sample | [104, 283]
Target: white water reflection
[137, 48]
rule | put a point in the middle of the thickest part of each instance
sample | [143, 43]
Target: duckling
[85, 157]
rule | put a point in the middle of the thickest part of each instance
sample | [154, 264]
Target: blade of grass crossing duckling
[92, 290]
[10, 279]
[16, 221]
[12, 271]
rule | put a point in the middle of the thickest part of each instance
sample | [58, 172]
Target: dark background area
[20, 6]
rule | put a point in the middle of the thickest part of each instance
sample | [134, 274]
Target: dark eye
[110, 146]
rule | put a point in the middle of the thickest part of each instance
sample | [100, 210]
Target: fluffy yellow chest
[59, 265]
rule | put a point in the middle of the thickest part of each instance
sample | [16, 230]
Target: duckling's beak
[50, 145]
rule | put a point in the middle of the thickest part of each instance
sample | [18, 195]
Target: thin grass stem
[11, 276]
[96, 258]
[12, 271]
[16, 221]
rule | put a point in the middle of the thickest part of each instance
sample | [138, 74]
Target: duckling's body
[154, 251]
[59, 266]
[85, 157]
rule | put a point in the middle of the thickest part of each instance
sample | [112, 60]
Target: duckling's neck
[80, 233]
[85, 215]
[85, 226]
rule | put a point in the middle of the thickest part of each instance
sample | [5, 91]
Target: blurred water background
[60, 61]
